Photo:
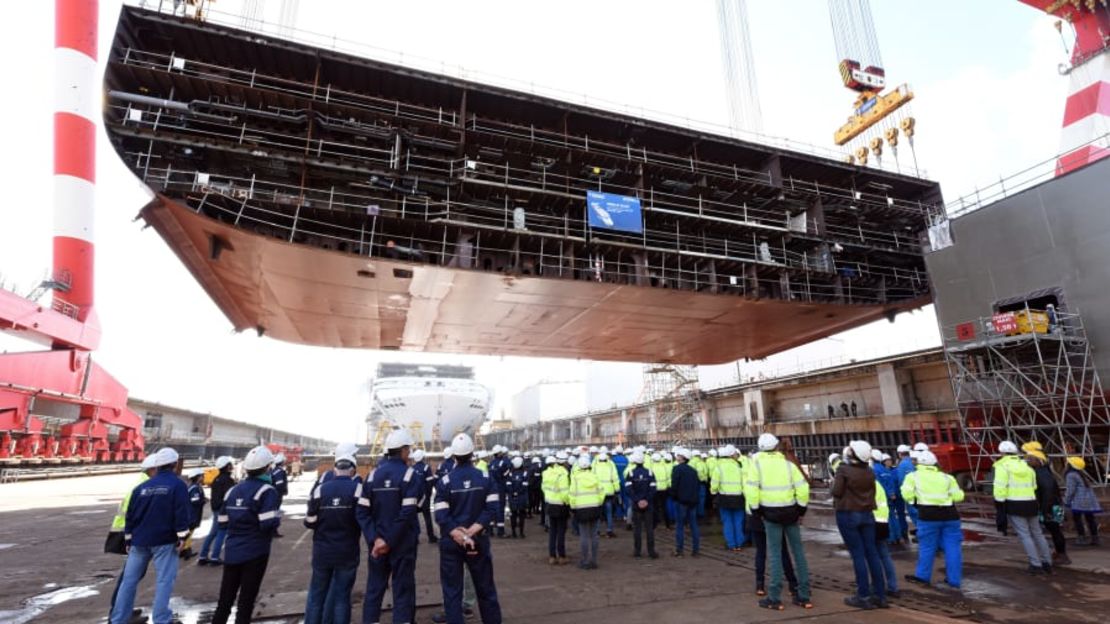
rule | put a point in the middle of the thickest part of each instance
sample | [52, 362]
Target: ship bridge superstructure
[327, 199]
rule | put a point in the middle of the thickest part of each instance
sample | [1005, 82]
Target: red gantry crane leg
[63, 384]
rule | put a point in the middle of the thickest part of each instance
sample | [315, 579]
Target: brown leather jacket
[853, 488]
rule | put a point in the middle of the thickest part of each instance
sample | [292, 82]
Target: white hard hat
[222, 461]
[461, 444]
[150, 461]
[561, 456]
[876, 455]
[926, 458]
[482, 454]
[637, 457]
[1008, 448]
[603, 449]
[712, 452]
[767, 442]
[398, 438]
[833, 457]
[447, 453]
[682, 452]
[667, 456]
[518, 462]
[279, 458]
[885, 457]
[549, 460]
[571, 459]
[346, 458]
[257, 458]
[583, 461]
[920, 446]
[702, 454]
[418, 455]
[346, 448]
[619, 450]
[514, 454]
[656, 457]
[193, 473]
[593, 449]
[536, 460]
[861, 449]
[903, 449]
[165, 456]
[602, 456]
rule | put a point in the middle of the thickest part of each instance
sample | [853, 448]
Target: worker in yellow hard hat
[1082, 502]
[1051, 504]
[1032, 445]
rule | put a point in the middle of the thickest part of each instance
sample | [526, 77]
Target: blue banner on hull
[614, 212]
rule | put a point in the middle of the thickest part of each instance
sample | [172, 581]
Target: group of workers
[760, 497]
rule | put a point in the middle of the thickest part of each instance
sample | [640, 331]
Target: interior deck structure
[328, 199]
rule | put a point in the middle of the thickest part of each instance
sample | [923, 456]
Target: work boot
[760, 591]
[1059, 559]
[1034, 570]
[859, 603]
[611, 534]
[678, 553]
[653, 555]
[879, 603]
[774, 605]
[636, 555]
[563, 561]
[1047, 568]
[552, 561]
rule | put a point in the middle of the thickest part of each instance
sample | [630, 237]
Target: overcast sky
[989, 102]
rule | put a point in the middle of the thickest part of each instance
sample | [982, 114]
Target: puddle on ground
[6, 546]
[37, 605]
[49, 585]
[189, 612]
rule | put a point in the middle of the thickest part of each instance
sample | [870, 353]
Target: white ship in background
[403, 395]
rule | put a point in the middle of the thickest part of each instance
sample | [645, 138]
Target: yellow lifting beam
[883, 106]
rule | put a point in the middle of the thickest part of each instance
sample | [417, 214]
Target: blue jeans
[683, 514]
[215, 539]
[897, 520]
[732, 520]
[701, 500]
[889, 572]
[946, 534]
[329, 594]
[165, 570]
[858, 530]
[608, 506]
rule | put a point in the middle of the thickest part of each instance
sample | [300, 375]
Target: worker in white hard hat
[727, 486]
[251, 517]
[587, 497]
[387, 513]
[464, 505]
[499, 469]
[279, 478]
[778, 493]
[516, 495]
[911, 511]
[445, 466]
[156, 523]
[900, 524]
[211, 549]
[332, 517]
[835, 459]
[935, 495]
[1015, 502]
[556, 498]
[887, 480]
[684, 491]
[621, 502]
[194, 477]
[115, 543]
[853, 491]
[535, 469]
[639, 482]
[609, 479]
[343, 449]
[427, 477]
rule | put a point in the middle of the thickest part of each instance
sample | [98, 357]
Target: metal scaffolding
[1024, 376]
[673, 393]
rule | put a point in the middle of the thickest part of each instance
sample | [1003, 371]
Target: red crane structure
[1085, 136]
[58, 405]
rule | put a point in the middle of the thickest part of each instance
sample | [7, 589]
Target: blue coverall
[463, 498]
[388, 510]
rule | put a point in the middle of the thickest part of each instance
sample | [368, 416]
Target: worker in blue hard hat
[251, 517]
[387, 513]
[466, 500]
[332, 517]
[156, 524]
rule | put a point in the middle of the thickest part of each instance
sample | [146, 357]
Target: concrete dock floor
[54, 570]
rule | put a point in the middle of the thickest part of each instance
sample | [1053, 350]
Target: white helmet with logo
[258, 458]
[462, 445]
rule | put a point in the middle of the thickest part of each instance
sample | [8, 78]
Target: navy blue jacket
[685, 484]
[196, 502]
[250, 515]
[444, 468]
[389, 504]
[159, 511]
[280, 481]
[331, 514]
[639, 482]
[464, 497]
[499, 470]
[424, 473]
[329, 475]
[516, 488]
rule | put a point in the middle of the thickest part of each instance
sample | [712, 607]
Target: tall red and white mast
[1084, 137]
[76, 107]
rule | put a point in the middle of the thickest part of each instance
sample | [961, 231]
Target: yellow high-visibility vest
[1014, 480]
[927, 485]
[771, 480]
[585, 490]
[729, 478]
[556, 486]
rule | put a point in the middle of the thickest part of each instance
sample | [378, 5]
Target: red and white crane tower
[57, 405]
[1085, 136]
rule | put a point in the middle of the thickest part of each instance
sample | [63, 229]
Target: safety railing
[436, 66]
